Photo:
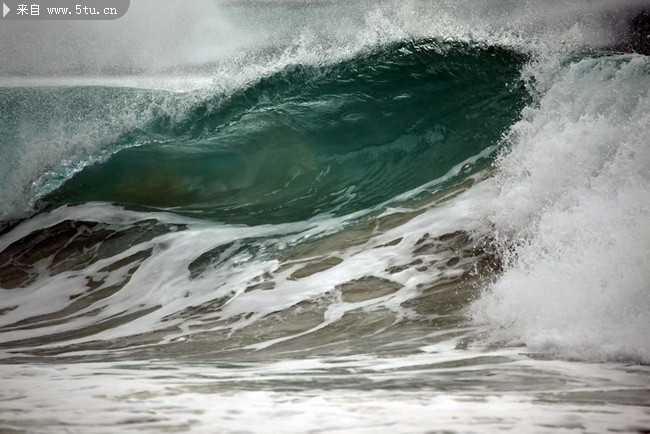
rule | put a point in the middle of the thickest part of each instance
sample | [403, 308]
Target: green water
[310, 139]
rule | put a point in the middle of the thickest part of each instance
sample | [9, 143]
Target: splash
[572, 216]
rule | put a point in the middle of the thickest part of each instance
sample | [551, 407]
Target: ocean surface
[326, 217]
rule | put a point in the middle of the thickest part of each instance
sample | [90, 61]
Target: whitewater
[256, 216]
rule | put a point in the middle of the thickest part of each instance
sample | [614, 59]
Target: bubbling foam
[572, 217]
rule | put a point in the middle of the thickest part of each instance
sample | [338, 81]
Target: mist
[163, 36]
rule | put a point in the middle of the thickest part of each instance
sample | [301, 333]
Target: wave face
[339, 138]
[353, 214]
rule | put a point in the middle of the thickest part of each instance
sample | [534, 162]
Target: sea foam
[571, 216]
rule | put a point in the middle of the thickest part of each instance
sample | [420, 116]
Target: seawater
[324, 217]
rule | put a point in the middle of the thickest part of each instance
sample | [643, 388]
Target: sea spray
[572, 216]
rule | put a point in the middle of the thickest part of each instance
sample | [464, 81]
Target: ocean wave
[373, 126]
[309, 186]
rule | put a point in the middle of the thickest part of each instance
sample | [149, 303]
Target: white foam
[159, 397]
[572, 216]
